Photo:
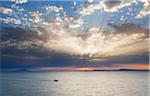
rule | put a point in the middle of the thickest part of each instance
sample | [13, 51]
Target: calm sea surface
[74, 84]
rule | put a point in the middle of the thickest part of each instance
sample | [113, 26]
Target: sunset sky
[74, 35]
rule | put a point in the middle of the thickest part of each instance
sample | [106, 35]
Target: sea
[74, 83]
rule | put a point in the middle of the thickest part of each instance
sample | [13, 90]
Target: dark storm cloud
[38, 58]
[112, 3]
[129, 28]
[33, 54]
[53, 59]
[119, 60]
[30, 54]
[20, 34]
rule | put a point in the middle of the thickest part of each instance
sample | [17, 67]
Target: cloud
[53, 38]
[34, 58]
[6, 10]
[69, 35]
[53, 8]
[107, 6]
[10, 20]
[19, 1]
[76, 23]
[111, 3]
[112, 6]
[128, 39]
[145, 11]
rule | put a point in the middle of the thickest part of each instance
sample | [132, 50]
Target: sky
[74, 34]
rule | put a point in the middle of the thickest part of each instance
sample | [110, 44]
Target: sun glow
[98, 45]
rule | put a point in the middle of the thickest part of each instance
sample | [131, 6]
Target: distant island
[122, 70]
[27, 70]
